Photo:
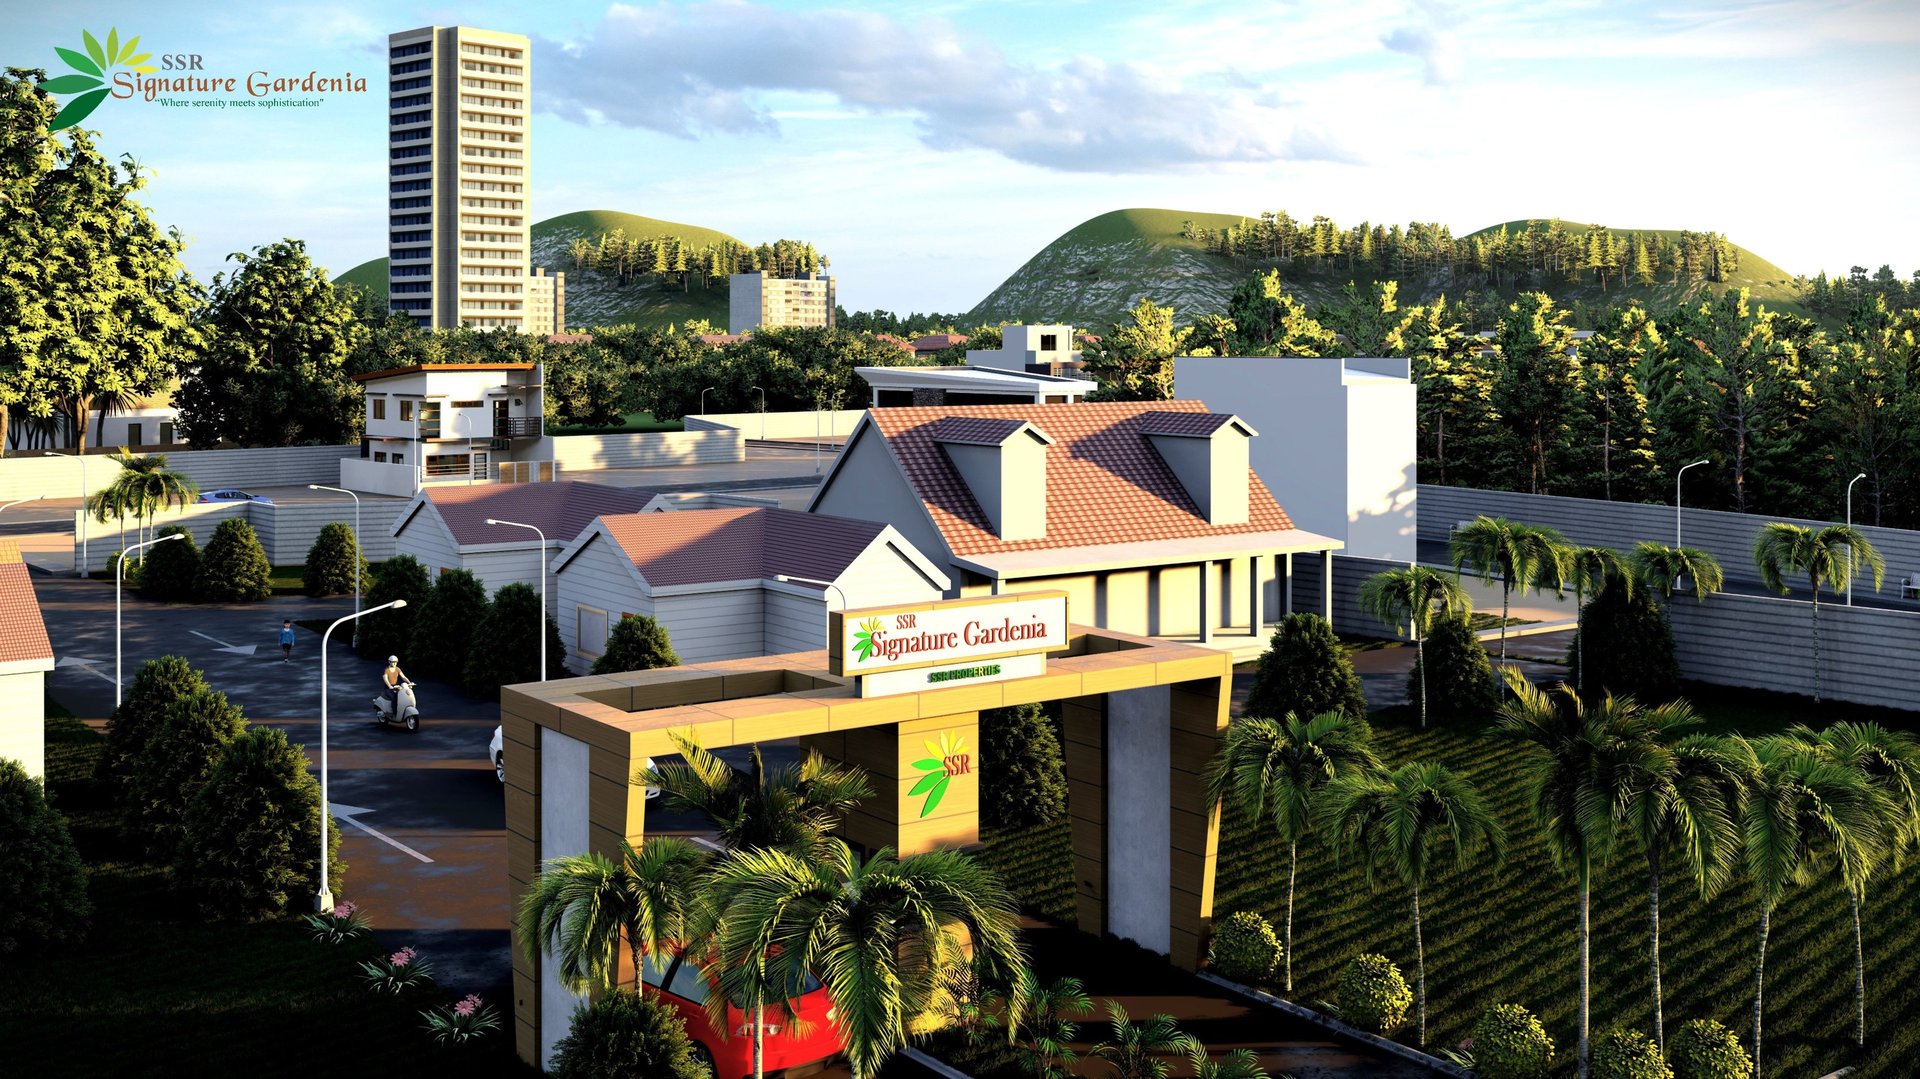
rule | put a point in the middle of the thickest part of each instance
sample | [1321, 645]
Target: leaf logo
[866, 640]
[91, 81]
[936, 780]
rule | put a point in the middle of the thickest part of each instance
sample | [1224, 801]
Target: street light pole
[85, 562]
[763, 413]
[323, 902]
[17, 501]
[543, 588]
[119, 579]
[703, 398]
[358, 555]
[787, 578]
[1676, 499]
[1850, 484]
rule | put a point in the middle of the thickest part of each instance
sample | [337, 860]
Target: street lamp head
[491, 521]
[398, 603]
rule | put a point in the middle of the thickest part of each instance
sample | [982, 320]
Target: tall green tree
[1889, 762]
[1831, 554]
[794, 807]
[143, 487]
[581, 909]
[880, 933]
[1274, 768]
[1134, 360]
[1455, 389]
[1537, 391]
[1583, 761]
[1517, 554]
[1400, 823]
[1414, 597]
[273, 367]
[1665, 570]
[1804, 816]
[1616, 411]
[1269, 321]
[1370, 320]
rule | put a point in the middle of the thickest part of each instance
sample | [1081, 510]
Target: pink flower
[402, 957]
[468, 1006]
[343, 910]
[1467, 1044]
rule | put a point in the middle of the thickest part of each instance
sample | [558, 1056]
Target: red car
[684, 986]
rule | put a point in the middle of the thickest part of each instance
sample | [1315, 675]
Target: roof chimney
[1207, 452]
[1004, 465]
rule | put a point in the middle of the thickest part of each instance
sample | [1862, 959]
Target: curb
[1373, 1041]
[942, 1070]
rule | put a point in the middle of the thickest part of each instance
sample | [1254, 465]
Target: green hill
[593, 299]
[1096, 270]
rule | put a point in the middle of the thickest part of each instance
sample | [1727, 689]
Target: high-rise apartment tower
[458, 156]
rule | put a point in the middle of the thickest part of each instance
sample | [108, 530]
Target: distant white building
[712, 578]
[757, 300]
[450, 423]
[25, 658]
[1337, 441]
[1042, 349]
[900, 387]
[546, 302]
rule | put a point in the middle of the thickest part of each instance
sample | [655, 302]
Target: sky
[929, 149]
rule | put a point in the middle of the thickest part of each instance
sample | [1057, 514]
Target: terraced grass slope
[1096, 270]
[594, 300]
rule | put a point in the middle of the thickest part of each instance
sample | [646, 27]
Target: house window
[449, 464]
[1049, 342]
[466, 404]
[399, 458]
[406, 412]
[166, 432]
[133, 435]
[379, 457]
[379, 408]
[592, 639]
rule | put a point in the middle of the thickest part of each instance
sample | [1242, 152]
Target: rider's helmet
[393, 661]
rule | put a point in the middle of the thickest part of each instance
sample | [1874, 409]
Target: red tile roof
[974, 430]
[562, 509]
[934, 342]
[1192, 424]
[1105, 482]
[707, 546]
[23, 636]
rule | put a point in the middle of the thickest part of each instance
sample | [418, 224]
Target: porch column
[1206, 602]
[1326, 586]
[1256, 593]
[1286, 583]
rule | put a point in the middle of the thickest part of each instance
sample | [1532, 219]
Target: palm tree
[1520, 554]
[1238, 1064]
[1398, 822]
[581, 907]
[1413, 597]
[1046, 1031]
[1589, 569]
[1275, 769]
[1684, 806]
[1831, 554]
[1890, 762]
[1660, 569]
[1803, 815]
[794, 806]
[143, 487]
[1138, 1050]
[880, 934]
[1586, 760]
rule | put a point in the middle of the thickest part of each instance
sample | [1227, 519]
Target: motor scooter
[402, 711]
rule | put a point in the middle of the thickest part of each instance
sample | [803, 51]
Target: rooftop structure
[757, 300]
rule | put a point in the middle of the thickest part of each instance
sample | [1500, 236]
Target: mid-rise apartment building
[546, 302]
[761, 299]
[458, 197]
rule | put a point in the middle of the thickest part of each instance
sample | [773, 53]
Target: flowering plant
[344, 922]
[461, 1021]
[403, 969]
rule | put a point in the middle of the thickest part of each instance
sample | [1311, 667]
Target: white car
[497, 749]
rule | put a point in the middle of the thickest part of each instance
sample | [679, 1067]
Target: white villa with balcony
[431, 424]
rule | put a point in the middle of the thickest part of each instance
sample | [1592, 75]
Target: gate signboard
[919, 646]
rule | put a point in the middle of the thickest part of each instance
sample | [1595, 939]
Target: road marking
[351, 815]
[85, 665]
[236, 649]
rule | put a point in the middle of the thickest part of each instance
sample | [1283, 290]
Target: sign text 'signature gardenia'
[951, 642]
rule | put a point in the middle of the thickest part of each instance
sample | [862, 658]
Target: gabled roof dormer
[1208, 453]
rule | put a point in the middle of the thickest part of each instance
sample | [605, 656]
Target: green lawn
[1508, 932]
[630, 423]
[153, 993]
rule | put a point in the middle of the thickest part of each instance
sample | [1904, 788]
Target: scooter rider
[394, 676]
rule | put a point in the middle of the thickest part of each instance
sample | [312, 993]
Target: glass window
[1049, 342]
[593, 631]
[406, 412]
[379, 457]
[653, 969]
[689, 981]
[379, 406]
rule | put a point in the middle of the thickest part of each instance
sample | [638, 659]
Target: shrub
[1459, 674]
[1373, 995]
[43, 886]
[1244, 948]
[621, 1035]
[171, 569]
[1305, 672]
[248, 850]
[1627, 1054]
[1024, 782]
[1705, 1049]
[332, 560]
[444, 627]
[178, 759]
[1510, 1043]
[156, 685]
[637, 643]
[390, 632]
[1629, 647]
[235, 568]
[505, 649]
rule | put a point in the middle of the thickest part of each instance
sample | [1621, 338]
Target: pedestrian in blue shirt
[286, 640]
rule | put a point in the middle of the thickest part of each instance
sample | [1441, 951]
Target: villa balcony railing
[517, 427]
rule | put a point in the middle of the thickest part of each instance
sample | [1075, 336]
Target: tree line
[674, 260]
